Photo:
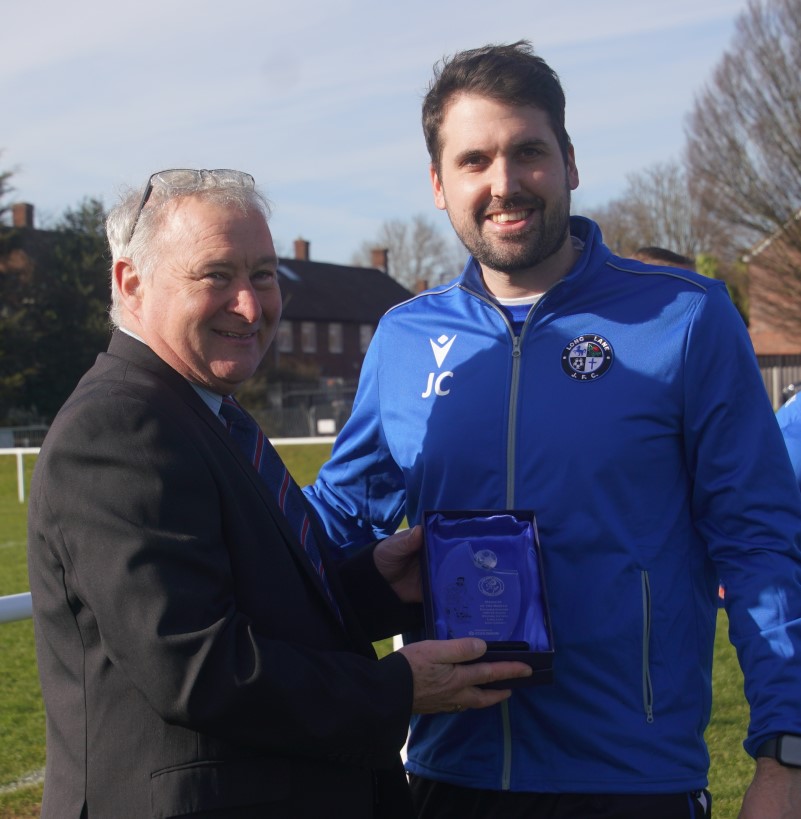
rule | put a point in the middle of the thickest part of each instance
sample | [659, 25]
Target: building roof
[319, 291]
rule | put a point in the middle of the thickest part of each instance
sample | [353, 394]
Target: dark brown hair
[511, 74]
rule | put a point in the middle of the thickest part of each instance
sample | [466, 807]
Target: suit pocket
[218, 785]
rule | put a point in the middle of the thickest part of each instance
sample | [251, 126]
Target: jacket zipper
[647, 686]
[506, 721]
[512, 429]
[514, 390]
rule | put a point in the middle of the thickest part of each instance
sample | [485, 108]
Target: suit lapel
[130, 349]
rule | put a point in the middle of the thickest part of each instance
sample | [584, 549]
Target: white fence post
[19, 452]
[20, 478]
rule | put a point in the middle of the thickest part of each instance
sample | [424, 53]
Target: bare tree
[656, 209]
[418, 252]
[613, 222]
[744, 149]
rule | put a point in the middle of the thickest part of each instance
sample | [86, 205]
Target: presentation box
[483, 577]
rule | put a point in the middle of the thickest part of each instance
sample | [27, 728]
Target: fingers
[459, 699]
[469, 649]
[502, 670]
[397, 560]
[408, 542]
[400, 548]
[482, 698]
[472, 677]
[445, 679]
[459, 650]
[415, 539]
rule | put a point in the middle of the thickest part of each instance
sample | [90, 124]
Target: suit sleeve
[129, 509]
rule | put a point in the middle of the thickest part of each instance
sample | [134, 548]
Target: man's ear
[572, 169]
[436, 187]
[129, 283]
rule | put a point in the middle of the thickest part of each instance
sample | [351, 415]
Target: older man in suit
[200, 652]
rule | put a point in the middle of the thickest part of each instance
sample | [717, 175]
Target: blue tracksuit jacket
[630, 415]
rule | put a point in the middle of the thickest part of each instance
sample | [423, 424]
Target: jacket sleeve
[747, 506]
[360, 493]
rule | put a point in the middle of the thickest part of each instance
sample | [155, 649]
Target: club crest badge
[491, 586]
[587, 357]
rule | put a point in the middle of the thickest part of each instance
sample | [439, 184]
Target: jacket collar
[129, 348]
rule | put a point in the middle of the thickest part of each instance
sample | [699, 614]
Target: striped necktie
[254, 443]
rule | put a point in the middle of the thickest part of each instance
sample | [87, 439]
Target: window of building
[335, 342]
[284, 337]
[365, 336]
[308, 337]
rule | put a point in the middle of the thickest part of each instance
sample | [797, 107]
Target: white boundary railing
[18, 606]
[15, 607]
[20, 452]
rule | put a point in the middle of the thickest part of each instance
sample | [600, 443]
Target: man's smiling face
[504, 182]
[211, 306]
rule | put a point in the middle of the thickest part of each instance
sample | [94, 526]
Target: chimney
[302, 250]
[380, 258]
[22, 215]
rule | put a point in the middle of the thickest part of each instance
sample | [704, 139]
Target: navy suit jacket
[189, 658]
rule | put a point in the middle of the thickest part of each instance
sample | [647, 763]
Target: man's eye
[216, 277]
[264, 276]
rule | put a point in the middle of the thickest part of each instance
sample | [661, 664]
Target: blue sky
[321, 101]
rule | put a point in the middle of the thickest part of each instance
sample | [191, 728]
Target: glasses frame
[245, 180]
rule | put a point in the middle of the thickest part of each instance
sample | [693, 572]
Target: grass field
[22, 749]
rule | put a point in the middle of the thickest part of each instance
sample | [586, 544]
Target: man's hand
[442, 684]
[398, 559]
[774, 792]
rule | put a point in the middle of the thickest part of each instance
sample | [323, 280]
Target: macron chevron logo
[441, 347]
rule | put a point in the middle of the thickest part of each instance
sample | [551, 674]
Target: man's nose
[504, 179]
[245, 302]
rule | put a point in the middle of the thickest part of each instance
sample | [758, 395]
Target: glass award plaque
[483, 579]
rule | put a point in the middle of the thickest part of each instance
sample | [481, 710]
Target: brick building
[774, 313]
[330, 314]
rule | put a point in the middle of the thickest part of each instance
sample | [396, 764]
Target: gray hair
[135, 233]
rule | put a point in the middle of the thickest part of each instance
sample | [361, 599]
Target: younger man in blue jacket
[622, 403]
